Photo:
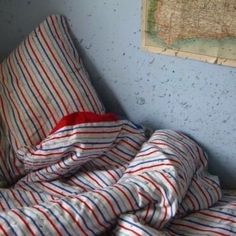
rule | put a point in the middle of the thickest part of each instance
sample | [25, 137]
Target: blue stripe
[222, 212]
[32, 221]
[9, 225]
[196, 198]
[131, 154]
[33, 190]
[19, 193]
[58, 220]
[6, 200]
[210, 226]
[146, 162]
[129, 138]
[113, 198]
[65, 28]
[175, 149]
[60, 187]
[79, 179]
[9, 161]
[24, 92]
[72, 144]
[51, 66]
[79, 214]
[130, 192]
[72, 70]
[39, 75]
[10, 104]
[137, 226]
[97, 175]
[96, 207]
[61, 51]
[183, 141]
[10, 107]
[113, 159]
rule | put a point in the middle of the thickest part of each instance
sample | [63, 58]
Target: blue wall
[159, 91]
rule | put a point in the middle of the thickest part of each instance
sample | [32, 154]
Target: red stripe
[9, 128]
[128, 229]
[144, 154]
[131, 145]
[78, 133]
[78, 148]
[2, 207]
[23, 220]
[13, 103]
[193, 205]
[52, 190]
[112, 163]
[109, 203]
[216, 217]
[198, 229]
[147, 212]
[132, 131]
[91, 94]
[73, 218]
[110, 174]
[200, 157]
[148, 206]
[119, 155]
[202, 191]
[25, 99]
[171, 147]
[59, 66]
[15, 198]
[51, 222]
[164, 198]
[78, 185]
[48, 78]
[92, 212]
[126, 196]
[94, 180]
[149, 167]
[169, 183]
[36, 90]
[217, 189]
[3, 163]
[3, 230]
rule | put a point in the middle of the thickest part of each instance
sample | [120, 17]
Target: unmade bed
[73, 169]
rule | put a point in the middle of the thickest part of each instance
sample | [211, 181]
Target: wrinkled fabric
[106, 177]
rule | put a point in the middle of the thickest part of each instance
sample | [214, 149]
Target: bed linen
[41, 81]
[100, 175]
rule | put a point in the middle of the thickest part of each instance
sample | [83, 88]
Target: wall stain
[140, 101]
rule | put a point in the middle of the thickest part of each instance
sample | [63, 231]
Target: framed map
[197, 29]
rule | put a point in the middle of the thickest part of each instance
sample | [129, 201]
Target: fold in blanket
[93, 177]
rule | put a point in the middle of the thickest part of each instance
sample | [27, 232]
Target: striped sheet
[41, 81]
[114, 182]
[219, 220]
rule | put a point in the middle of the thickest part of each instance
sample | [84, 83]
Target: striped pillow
[41, 81]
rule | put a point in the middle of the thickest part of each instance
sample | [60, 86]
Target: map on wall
[197, 29]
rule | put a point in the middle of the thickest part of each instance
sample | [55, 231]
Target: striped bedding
[41, 81]
[98, 175]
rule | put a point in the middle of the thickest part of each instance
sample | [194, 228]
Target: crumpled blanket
[103, 177]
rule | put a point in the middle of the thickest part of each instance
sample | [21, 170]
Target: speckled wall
[158, 91]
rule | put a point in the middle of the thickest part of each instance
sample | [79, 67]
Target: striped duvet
[104, 177]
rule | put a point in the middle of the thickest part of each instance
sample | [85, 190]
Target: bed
[73, 169]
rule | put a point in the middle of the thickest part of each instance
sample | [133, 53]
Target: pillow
[42, 81]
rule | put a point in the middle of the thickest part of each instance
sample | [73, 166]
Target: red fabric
[83, 117]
